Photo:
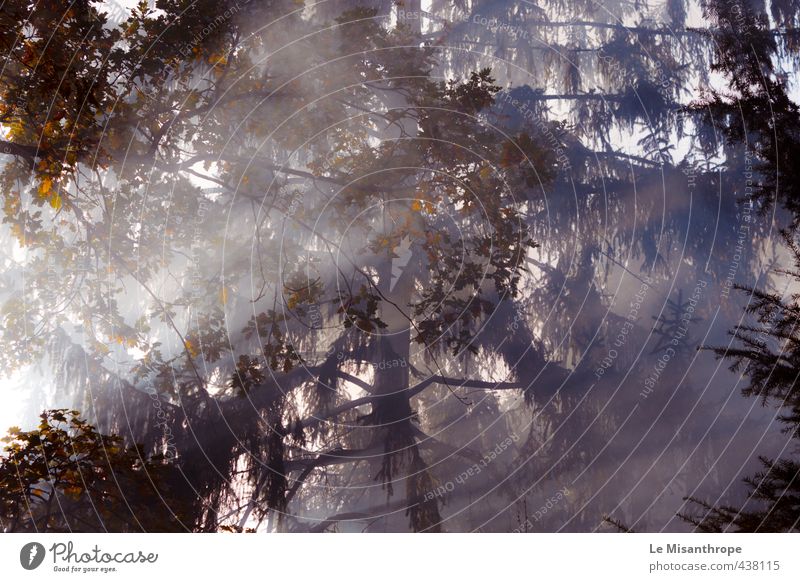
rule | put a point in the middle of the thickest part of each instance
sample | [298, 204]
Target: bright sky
[11, 403]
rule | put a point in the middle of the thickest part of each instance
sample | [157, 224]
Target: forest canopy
[399, 266]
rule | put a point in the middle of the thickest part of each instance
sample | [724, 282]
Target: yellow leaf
[55, 201]
[223, 295]
[216, 59]
[416, 206]
[44, 186]
[190, 347]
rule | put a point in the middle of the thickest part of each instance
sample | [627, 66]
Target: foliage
[769, 355]
[64, 476]
[303, 229]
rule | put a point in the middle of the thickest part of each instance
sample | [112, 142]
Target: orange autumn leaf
[44, 186]
[192, 349]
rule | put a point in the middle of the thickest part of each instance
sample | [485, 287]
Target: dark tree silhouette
[64, 476]
[768, 353]
[758, 116]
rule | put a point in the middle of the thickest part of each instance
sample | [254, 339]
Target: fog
[319, 300]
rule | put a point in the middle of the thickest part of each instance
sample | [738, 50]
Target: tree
[314, 254]
[761, 118]
[413, 152]
[768, 354]
[66, 477]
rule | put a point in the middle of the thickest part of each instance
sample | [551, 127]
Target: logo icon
[31, 555]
